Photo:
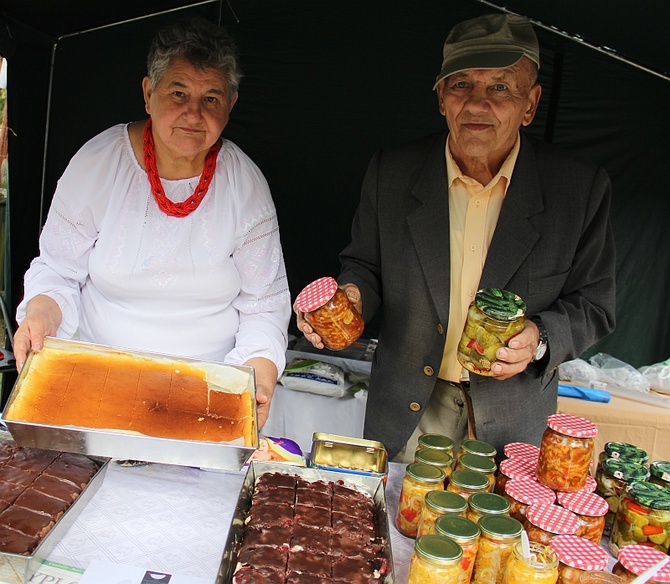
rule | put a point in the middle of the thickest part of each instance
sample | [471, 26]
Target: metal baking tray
[374, 486]
[19, 569]
[124, 445]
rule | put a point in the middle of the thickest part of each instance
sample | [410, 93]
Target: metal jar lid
[437, 441]
[478, 447]
[500, 526]
[460, 529]
[425, 473]
[445, 502]
[624, 470]
[437, 549]
[649, 494]
[469, 479]
[578, 552]
[489, 504]
[440, 458]
[661, 470]
[625, 451]
[477, 463]
[500, 304]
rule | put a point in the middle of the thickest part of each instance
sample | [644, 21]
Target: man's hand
[519, 352]
[43, 317]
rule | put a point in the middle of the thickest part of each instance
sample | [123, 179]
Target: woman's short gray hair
[200, 42]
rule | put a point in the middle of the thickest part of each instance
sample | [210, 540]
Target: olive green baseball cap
[490, 41]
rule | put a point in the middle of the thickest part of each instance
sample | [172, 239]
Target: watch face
[540, 351]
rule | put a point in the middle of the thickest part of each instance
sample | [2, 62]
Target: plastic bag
[619, 372]
[314, 376]
[658, 375]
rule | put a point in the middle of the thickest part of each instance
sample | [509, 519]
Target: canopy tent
[326, 84]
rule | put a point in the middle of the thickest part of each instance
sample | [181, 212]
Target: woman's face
[189, 109]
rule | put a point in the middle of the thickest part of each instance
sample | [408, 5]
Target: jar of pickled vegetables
[635, 559]
[481, 464]
[623, 451]
[660, 473]
[419, 480]
[521, 449]
[540, 567]
[514, 468]
[566, 452]
[577, 556]
[600, 578]
[494, 317]
[466, 534]
[590, 509]
[466, 482]
[330, 313]
[480, 504]
[526, 491]
[476, 447]
[437, 504]
[436, 442]
[438, 458]
[612, 477]
[643, 517]
[435, 560]
[544, 521]
[499, 535]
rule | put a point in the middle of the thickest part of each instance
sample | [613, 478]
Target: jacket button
[440, 329]
[428, 370]
[414, 406]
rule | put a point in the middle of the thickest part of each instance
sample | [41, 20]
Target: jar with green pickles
[494, 317]
[643, 517]
[466, 534]
[436, 559]
[623, 451]
[660, 473]
[480, 464]
[438, 504]
[438, 458]
[611, 479]
[480, 504]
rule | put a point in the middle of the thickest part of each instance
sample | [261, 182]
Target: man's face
[485, 108]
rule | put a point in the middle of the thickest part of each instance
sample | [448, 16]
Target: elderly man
[480, 205]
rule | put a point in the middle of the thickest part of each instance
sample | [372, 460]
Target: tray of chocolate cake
[41, 494]
[296, 525]
[120, 403]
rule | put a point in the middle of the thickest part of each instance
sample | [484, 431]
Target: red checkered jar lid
[637, 558]
[580, 553]
[316, 294]
[528, 490]
[515, 449]
[583, 503]
[570, 425]
[553, 519]
[515, 468]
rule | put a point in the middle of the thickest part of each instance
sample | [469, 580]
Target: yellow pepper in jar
[540, 568]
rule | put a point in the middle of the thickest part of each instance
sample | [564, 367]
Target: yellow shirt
[473, 215]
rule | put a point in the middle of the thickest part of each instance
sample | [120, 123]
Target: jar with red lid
[541, 567]
[600, 578]
[566, 452]
[521, 449]
[330, 313]
[526, 491]
[419, 480]
[635, 559]
[544, 521]
[590, 509]
[514, 468]
[576, 556]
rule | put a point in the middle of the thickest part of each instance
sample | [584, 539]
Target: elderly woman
[162, 236]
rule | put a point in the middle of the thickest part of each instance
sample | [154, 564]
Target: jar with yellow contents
[466, 534]
[498, 538]
[481, 464]
[438, 458]
[477, 447]
[541, 567]
[436, 442]
[419, 480]
[435, 560]
[467, 482]
[438, 504]
[480, 504]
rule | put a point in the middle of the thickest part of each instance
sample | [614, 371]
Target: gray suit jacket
[553, 246]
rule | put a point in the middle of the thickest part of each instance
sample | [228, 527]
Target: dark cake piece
[343, 523]
[79, 460]
[346, 544]
[353, 570]
[275, 480]
[63, 469]
[32, 459]
[300, 578]
[314, 516]
[357, 508]
[19, 476]
[26, 521]
[264, 556]
[279, 496]
[309, 563]
[42, 503]
[276, 535]
[7, 449]
[251, 575]
[270, 515]
[314, 486]
[9, 491]
[312, 499]
[315, 539]
[13, 542]
[55, 487]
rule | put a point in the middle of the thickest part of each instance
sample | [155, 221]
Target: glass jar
[494, 317]
[643, 517]
[521, 450]
[635, 559]
[544, 521]
[611, 479]
[419, 480]
[623, 451]
[514, 468]
[330, 313]
[660, 473]
[499, 535]
[467, 482]
[466, 534]
[481, 464]
[436, 442]
[576, 556]
[438, 458]
[566, 452]
[523, 492]
[476, 447]
[590, 509]
[600, 578]
[435, 560]
[480, 504]
[540, 567]
[437, 504]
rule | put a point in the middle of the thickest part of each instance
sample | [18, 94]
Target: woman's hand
[354, 296]
[266, 380]
[43, 317]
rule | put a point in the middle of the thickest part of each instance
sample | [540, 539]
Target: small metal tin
[351, 455]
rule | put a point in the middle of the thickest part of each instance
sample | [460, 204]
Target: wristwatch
[543, 344]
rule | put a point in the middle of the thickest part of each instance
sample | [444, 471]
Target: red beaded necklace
[166, 205]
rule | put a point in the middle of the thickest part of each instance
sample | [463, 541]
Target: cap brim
[488, 60]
